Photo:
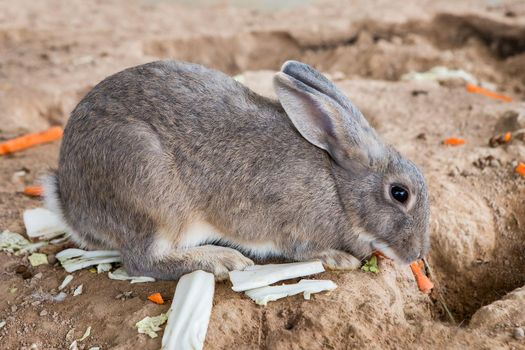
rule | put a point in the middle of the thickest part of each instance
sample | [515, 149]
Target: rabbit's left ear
[326, 118]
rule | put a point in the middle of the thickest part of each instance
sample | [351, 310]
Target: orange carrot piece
[479, 90]
[34, 191]
[520, 169]
[30, 140]
[156, 298]
[454, 141]
[379, 254]
[507, 137]
[423, 283]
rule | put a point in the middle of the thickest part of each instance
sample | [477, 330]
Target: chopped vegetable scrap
[424, 284]
[103, 268]
[151, 325]
[520, 169]
[190, 312]
[263, 295]
[371, 265]
[37, 259]
[491, 94]
[65, 282]
[156, 298]
[12, 242]
[78, 290]
[43, 224]
[440, 74]
[34, 191]
[454, 141]
[500, 139]
[121, 275]
[30, 140]
[263, 275]
[74, 259]
[87, 333]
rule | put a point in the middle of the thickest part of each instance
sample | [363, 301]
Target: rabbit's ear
[313, 78]
[341, 131]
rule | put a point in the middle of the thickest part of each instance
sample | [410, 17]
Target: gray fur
[157, 147]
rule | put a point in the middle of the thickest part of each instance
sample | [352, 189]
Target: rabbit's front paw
[221, 260]
[334, 259]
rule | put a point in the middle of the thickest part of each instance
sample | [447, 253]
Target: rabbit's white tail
[51, 194]
[53, 203]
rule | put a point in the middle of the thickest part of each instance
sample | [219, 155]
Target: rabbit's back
[167, 140]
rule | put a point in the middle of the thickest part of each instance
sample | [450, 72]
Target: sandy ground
[53, 52]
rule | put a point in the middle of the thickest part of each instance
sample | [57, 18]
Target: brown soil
[53, 52]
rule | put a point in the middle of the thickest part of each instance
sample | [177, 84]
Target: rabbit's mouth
[385, 249]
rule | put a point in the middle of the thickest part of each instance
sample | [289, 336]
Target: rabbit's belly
[200, 232]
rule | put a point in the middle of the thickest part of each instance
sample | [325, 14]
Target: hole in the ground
[290, 318]
[465, 289]
[503, 39]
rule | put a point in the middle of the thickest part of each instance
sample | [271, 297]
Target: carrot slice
[491, 94]
[156, 298]
[30, 140]
[34, 191]
[379, 254]
[423, 283]
[520, 169]
[454, 141]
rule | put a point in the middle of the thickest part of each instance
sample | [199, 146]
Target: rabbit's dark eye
[399, 193]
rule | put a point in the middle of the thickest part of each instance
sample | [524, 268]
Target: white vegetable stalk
[75, 259]
[121, 275]
[190, 312]
[263, 295]
[42, 223]
[263, 275]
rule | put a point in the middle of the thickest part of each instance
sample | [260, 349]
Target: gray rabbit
[181, 168]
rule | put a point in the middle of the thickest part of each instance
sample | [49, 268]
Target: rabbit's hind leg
[179, 261]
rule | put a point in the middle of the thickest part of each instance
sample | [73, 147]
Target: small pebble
[421, 136]
[20, 269]
[51, 259]
[417, 93]
[519, 333]
[14, 308]
[453, 172]
[38, 275]
[43, 313]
